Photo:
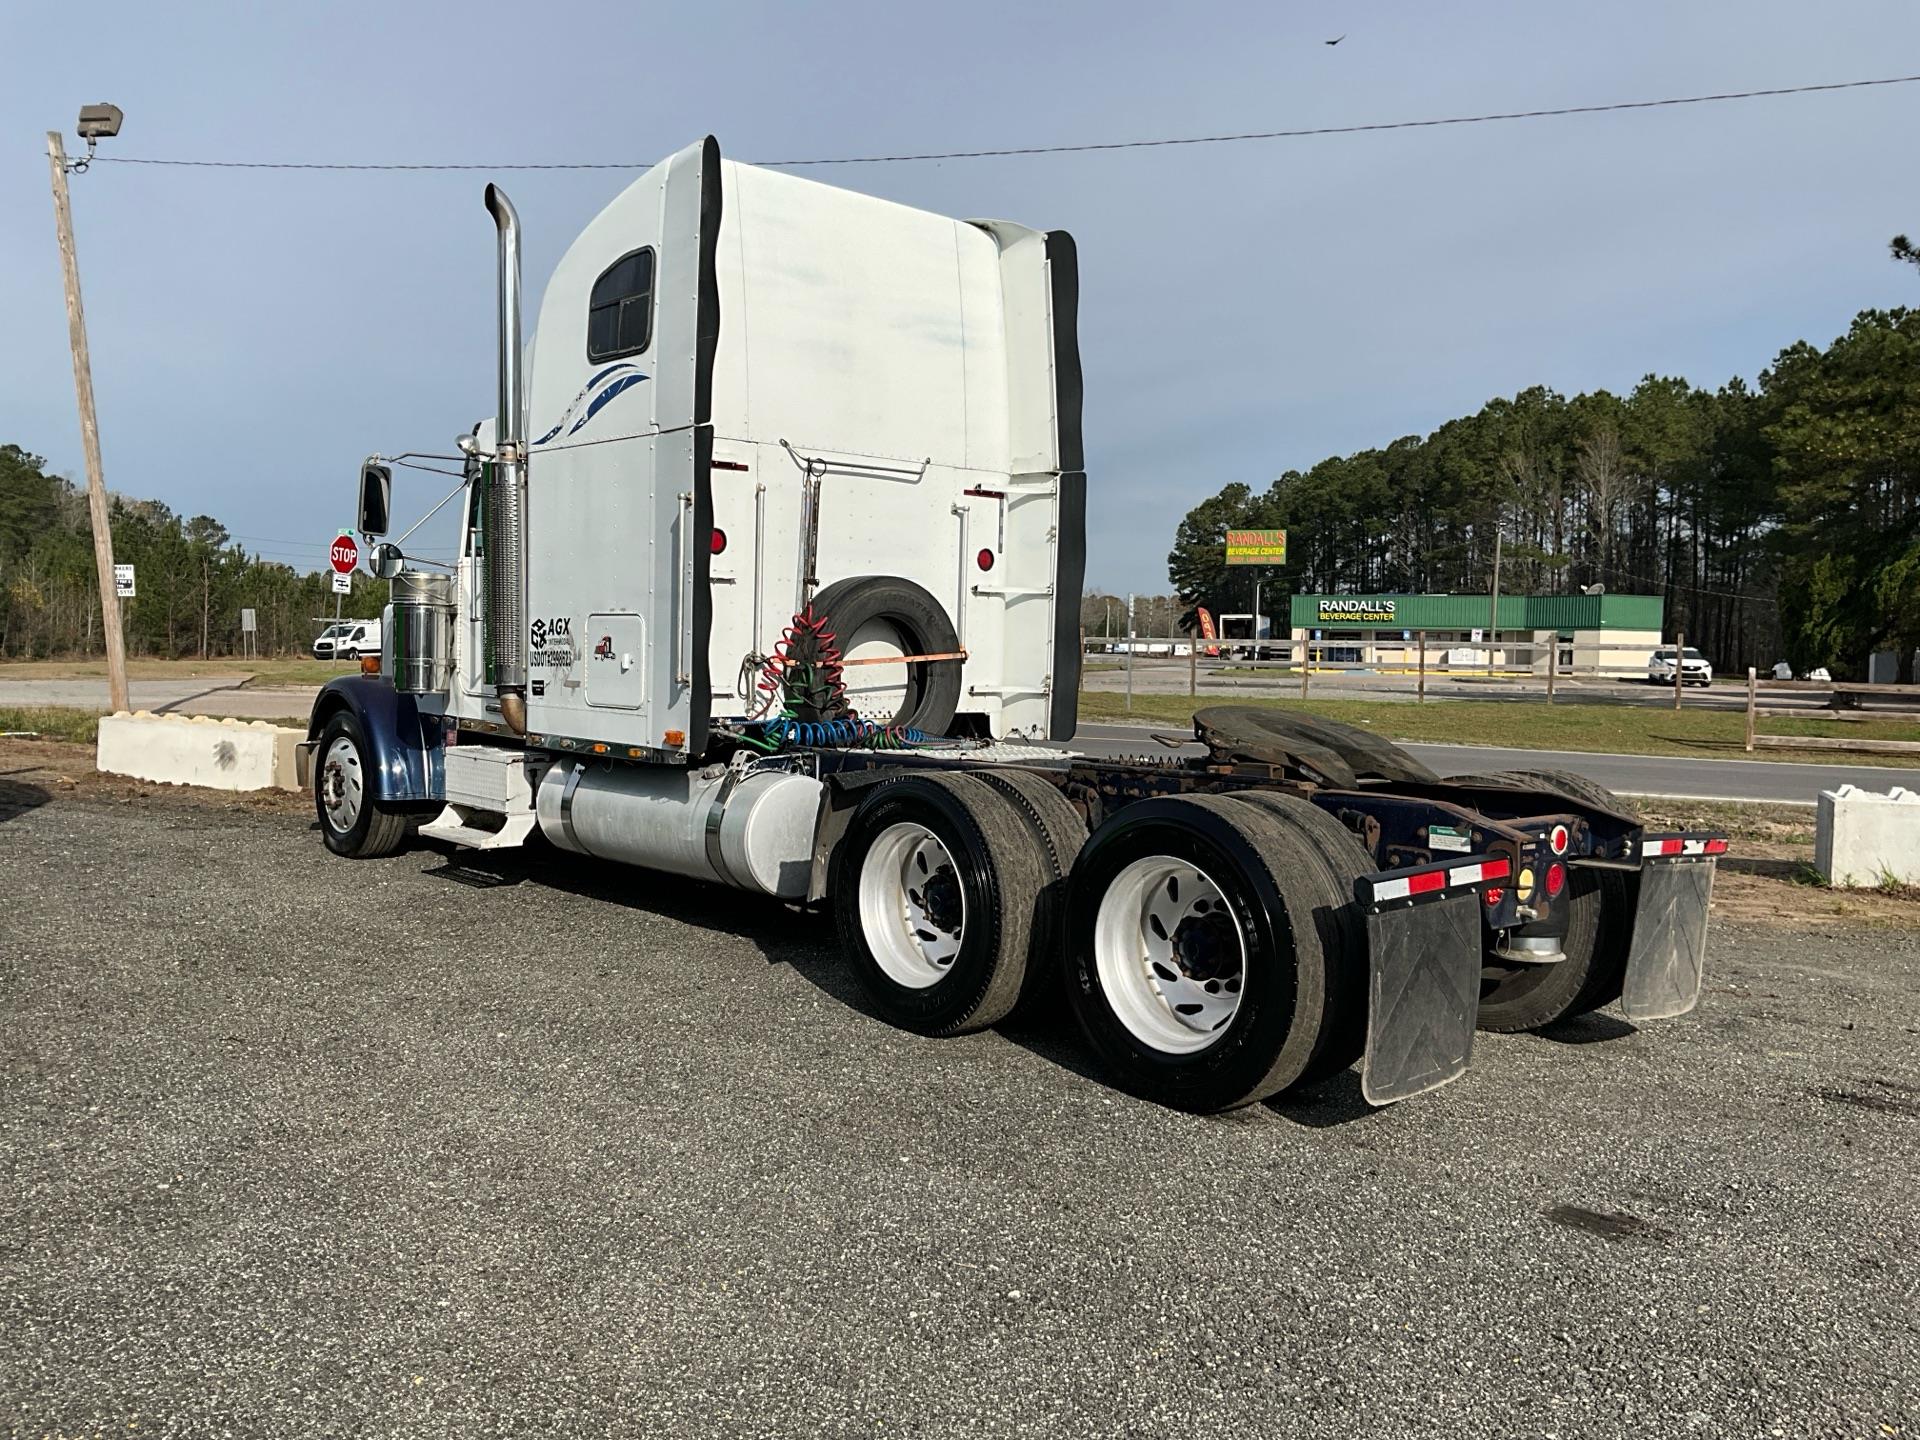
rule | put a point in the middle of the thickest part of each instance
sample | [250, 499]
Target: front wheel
[353, 822]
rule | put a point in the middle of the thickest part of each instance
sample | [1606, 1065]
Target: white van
[348, 640]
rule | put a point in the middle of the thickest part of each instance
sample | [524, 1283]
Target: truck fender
[409, 749]
[840, 796]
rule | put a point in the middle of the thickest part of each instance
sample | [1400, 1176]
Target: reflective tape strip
[1683, 845]
[1477, 874]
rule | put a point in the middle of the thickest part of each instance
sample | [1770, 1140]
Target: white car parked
[1696, 669]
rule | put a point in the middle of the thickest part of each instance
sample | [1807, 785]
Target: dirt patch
[61, 770]
[1768, 875]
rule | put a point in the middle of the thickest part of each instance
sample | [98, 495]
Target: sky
[1245, 308]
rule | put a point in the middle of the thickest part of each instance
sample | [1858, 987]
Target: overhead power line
[1080, 149]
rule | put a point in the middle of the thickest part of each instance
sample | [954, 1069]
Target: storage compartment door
[616, 646]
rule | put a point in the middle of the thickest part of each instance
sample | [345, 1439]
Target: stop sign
[346, 554]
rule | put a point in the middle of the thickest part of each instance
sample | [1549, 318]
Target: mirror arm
[458, 489]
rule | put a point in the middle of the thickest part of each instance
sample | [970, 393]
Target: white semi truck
[769, 576]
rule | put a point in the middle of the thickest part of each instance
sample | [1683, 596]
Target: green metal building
[1591, 634]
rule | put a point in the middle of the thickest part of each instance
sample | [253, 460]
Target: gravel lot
[296, 1147]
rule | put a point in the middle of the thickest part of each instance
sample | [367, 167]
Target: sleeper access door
[619, 499]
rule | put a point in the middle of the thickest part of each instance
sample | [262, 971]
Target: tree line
[1781, 518]
[192, 579]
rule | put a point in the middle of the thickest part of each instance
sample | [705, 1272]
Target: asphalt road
[190, 695]
[1226, 683]
[299, 1147]
[1670, 776]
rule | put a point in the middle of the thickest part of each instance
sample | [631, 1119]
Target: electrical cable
[1305, 132]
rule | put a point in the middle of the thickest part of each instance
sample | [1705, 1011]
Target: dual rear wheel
[1211, 953]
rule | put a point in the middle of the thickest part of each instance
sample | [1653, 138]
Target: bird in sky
[1337, 40]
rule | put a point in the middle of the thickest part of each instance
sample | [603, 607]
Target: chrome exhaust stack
[507, 493]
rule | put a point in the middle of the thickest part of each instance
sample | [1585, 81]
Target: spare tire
[874, 615]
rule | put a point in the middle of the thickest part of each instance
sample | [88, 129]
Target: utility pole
[58, 164]
[1493, 606]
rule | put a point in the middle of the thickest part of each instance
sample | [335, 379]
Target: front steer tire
[353, 821]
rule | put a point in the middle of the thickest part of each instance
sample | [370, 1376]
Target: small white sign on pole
[1478, 636]
[123, 581]
[248, 622]
[343, 582]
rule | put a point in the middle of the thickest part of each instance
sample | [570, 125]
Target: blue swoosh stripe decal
[633, 377]
[625, 382]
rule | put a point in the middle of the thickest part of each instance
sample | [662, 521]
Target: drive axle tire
[1195, 968]
[1599, 929]
[1525, 997]
[1335, 858]
[1061, 832]
[936, 886]
[888, 611]
[353, 822]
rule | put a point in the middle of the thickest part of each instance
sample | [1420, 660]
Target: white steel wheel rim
[878, 690]
[343, 784]
[913, 909]
[1170, 954]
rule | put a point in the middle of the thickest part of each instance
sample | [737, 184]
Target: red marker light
[717, 541]
[1556, 879]
[1494, 895]
[984, 559]
[1557, 839]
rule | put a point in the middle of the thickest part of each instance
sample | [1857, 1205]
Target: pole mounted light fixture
[97, 123]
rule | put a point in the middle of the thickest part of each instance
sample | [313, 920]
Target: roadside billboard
[1256, 547]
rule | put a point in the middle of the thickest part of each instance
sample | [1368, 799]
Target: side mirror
[386, 561]
[376, 499]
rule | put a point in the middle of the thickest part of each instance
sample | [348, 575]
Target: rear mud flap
[1667, 959]
[1423, 996]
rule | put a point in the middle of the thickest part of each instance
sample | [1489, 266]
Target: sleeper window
[620, 309]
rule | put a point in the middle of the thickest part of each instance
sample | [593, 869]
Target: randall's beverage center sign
[1354, 610]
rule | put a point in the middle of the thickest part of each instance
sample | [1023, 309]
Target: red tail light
[717, 542]
[984, 559]
[1557, 839]
[1556, 879]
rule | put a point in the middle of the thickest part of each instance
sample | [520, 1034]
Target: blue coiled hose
[848, 732]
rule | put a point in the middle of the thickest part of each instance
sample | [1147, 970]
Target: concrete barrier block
[199, 750]
[1863, 837]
